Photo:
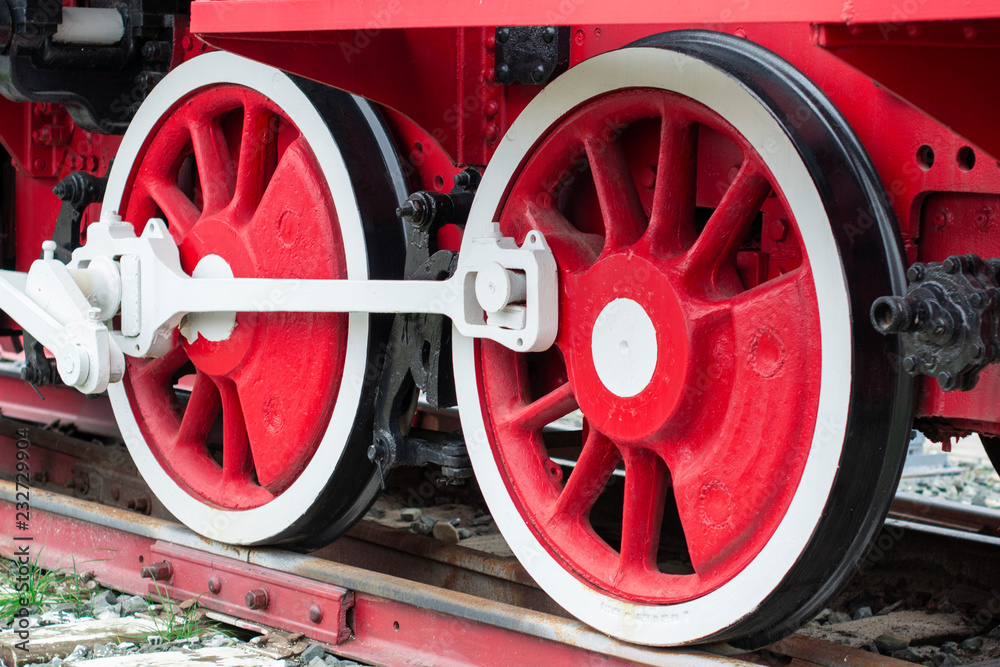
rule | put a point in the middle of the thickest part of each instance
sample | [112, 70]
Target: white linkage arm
[499, 291]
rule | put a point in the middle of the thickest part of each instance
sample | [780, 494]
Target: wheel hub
[634, 371]
[624, 347]
[219, 352]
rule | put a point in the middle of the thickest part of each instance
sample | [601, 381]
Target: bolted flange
[948, 321]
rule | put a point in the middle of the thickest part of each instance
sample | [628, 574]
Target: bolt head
[916, 273]
[549, 34]
[503, 74]
[316, 613]
[214, 585]
[952, 264]
[538, 73]
[503, 34]
[257, 599]
[910, 365]
[947, 380]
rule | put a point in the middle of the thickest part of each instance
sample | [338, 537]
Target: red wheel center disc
[591, 301]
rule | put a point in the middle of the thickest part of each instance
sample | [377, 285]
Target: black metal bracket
[418, 356]
[77, 191]
[948, 321]
[38, 370]
[101, 86]
[531, 54]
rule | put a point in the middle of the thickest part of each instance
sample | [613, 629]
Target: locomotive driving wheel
[739, 428]
[252, 428]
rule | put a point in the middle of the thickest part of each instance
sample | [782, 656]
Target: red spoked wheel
[705, 339]
[250, 429]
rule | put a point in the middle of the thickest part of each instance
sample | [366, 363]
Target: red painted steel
[384, 630]
[246, 16]
[60, 404]
[615, 188]
[937, 67]
[223, 584]
[235, 178]
[394, 633]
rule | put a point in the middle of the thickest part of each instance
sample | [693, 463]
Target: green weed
[175, 622]
[29, 585]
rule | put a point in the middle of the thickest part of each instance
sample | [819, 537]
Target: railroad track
[380, 592]
[362, 614]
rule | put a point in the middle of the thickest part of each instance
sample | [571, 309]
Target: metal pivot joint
[948, 321]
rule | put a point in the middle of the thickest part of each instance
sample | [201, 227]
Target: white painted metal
[90, 25]
[624, 347]
[214, 326]
[164, 293]
[690, 621]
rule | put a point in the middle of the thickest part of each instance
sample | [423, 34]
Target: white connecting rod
[499, 291]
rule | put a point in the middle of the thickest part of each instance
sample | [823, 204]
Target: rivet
[214, 585]
[316, 613]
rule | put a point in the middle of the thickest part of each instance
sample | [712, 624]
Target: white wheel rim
[697, 619]
[267, 521]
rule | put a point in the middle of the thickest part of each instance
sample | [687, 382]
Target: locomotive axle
[69, 308]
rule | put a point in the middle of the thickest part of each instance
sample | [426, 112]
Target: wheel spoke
[180, 211]
[288, 185]
[715, 248]
[574, 250]
[200, 414]
[215, 165]
[624, 219]
[671, 224]
[593, 468]
[777, 303]
[237, 463]
[536, 415]
[257, 150]
[723, 471]
[646, 483]
[160, 369]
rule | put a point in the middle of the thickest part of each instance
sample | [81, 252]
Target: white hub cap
[624, 347]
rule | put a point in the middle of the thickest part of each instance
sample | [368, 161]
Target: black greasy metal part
[427, 211]
[948, 320]
[7, 25]
[101, 86]
[77, 191]
[532, 55]
[881, 395]
[419, 357]
[38, 370]
[431, 209]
